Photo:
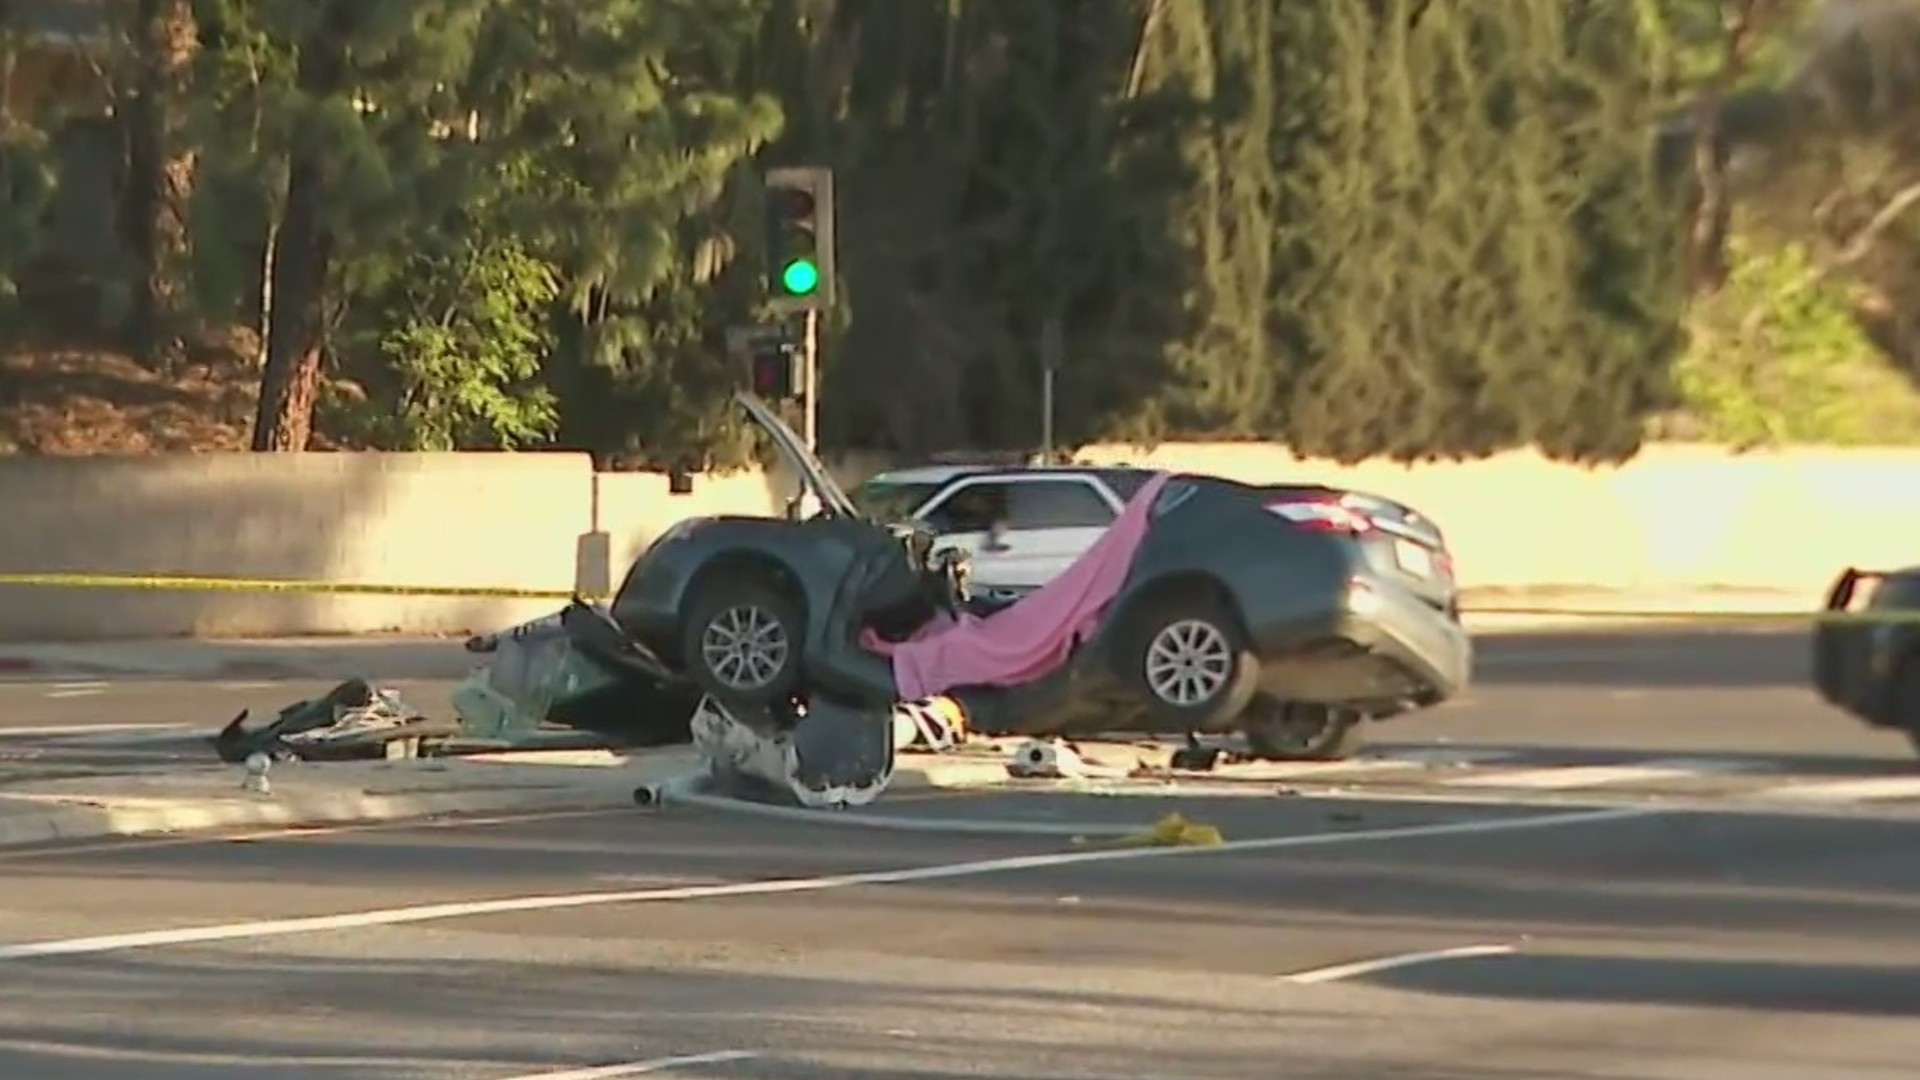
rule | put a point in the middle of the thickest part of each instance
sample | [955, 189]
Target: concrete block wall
[500, 520]
[1676, 517]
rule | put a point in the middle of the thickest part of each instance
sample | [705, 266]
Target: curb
[585, 781]
[41, 818]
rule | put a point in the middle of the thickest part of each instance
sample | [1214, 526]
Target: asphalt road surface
[1392, 924]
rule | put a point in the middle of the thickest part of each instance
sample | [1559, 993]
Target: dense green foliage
[1385, 227]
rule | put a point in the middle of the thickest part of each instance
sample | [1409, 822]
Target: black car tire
[757, 603]
[1202, 621]
[1300, 731]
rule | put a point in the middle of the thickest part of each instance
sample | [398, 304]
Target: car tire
[741, 641]
[1300, 731]
[1187, 658]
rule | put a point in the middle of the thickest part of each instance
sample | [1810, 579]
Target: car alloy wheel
[1188, 663]
[744, 647]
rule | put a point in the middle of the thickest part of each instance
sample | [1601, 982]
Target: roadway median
[215, 799]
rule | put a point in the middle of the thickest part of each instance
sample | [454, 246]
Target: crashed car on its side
[1866, 648]
[1198, 611]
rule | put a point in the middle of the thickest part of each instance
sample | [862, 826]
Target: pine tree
[1480, 253]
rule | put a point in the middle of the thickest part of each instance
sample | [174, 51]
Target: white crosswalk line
[1436, 756]
[1383, 761]
[83, 731]
[1581, 776]
[1844, 791]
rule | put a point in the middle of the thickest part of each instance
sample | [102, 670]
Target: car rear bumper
[1428, 652]
[1385, 651]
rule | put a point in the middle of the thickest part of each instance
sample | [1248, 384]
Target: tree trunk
[301, 264]
[290, 382]
[1712, 219]
[164, 163]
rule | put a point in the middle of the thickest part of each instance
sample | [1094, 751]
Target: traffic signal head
[775, 366]
[799, 206]
[775, 372]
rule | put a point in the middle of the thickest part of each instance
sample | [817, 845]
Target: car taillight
[1323, 515]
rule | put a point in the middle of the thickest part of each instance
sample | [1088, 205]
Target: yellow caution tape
[214, 584]
[1170, 831]
[184, 582]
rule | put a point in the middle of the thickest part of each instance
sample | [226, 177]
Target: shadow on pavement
[1698, 655]
[259, 1014]
[1764, 768]
[1673, 875]
[1686, 982]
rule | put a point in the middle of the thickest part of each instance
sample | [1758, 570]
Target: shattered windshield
[891, 500]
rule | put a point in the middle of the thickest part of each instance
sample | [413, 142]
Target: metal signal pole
[810, 371]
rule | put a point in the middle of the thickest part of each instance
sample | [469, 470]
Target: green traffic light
[800, 277]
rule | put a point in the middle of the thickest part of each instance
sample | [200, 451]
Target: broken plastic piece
[1043, 759]
[826, 755]
[938, 724]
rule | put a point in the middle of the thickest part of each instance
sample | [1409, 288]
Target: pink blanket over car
[1035, 635]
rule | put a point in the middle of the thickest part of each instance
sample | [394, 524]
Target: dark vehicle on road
[1198, 611]
[1866, 648]
[1021, 525]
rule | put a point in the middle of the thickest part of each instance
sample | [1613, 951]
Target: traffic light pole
[810, 371]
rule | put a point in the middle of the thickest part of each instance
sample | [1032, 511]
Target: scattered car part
[354, 720]
[840, 756]
[576, 670]
[1046, 759]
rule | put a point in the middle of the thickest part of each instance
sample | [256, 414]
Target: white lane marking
[1580, 776]
[641, 1068]
[75, 690]
[1336, 972]
[1387, 760]
[301, 832]
[187, 935]
[58, 730]
[247, 685]
[1840, 791]
[92, 685]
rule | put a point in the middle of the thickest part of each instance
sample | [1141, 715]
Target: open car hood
[812, 472]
